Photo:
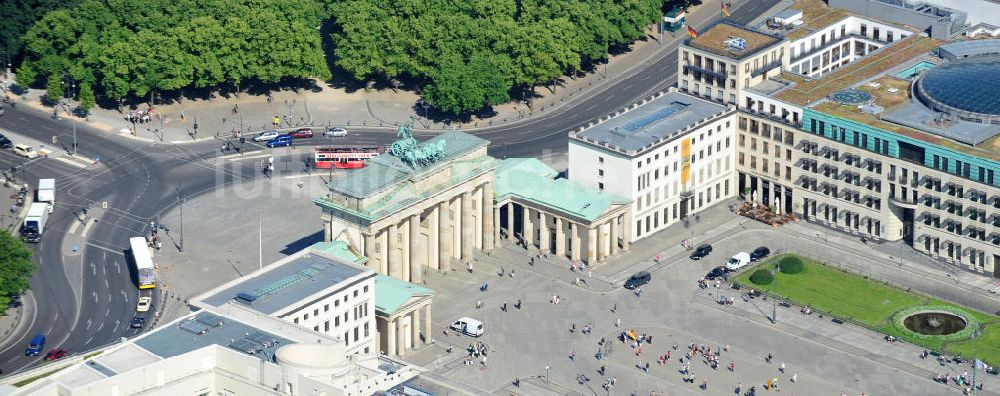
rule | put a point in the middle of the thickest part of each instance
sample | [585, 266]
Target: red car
[56, 354]
[302, 133]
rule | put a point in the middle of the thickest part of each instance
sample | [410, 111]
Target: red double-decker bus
[344, 157]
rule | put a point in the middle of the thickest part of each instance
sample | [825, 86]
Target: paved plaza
[825, 358]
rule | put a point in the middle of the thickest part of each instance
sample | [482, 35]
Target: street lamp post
[546, 375]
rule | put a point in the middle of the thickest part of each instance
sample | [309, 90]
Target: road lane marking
[86, 228]
[238, 155]
[73, 227]
[89, 322]
[301, 176]
[91, 244]
[118, 322]
[70, 162]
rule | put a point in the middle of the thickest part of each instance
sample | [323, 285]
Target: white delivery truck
[34, 223]
[47, 192]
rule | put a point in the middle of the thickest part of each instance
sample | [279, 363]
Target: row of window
[880, 146]
[652, 220]
[766, 130]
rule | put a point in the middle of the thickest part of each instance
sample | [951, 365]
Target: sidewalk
[321, 105]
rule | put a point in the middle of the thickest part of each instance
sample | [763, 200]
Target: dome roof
[961, 87]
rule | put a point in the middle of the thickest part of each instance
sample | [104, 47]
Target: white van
[25, 151]
[738, 261]
[468, 326]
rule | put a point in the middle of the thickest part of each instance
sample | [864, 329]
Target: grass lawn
[841, 294]
[985, 347]
[871, 304]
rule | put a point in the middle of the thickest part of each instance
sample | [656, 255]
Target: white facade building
[672, 156]
[324, 288]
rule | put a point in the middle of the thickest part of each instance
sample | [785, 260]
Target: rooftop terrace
[809, 90]
[714, 40]
[815, 15]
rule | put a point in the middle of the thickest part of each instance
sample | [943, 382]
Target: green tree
[16, 266]
[54, 89]
[87, 98]
[26, 75]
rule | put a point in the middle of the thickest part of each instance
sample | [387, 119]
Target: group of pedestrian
[141, 116]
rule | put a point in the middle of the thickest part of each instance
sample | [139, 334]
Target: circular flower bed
[971, 324]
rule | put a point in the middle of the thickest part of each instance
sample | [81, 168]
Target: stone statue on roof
[415, 154]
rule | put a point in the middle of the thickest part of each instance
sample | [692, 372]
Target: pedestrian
[782, 369]
[768, 384]
[739, 387]
[704, 384]
[774, 383]
[590, 273]
[504, 307]
[618, 322]
[638, 292]
[769, 357]
[732, 366]
[614, 308]
[795, 377]
[668, 355]
[572, 356]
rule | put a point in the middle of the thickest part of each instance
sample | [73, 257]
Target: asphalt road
[85, 298]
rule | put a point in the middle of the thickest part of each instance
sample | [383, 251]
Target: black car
[701, 251]
[639, 279]
[717, 272]
[138, 322]
[759, 253]
[5, 142]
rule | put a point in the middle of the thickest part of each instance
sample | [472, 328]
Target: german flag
[693, 33]
[725, 10]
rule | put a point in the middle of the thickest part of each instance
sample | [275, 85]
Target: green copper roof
[531, 180]
[386, 170]
[339, 250]
[392, 293]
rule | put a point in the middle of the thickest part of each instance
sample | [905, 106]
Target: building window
[326, 308]
[638, 228]
[600, 172]
[600, 186]
[366, 329]
[600, 160]
[305, 317]
[740, 158]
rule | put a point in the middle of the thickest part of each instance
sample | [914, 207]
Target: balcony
[766, 68]
[709, 72]
[903, 202]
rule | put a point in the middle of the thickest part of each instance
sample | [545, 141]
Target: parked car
[56, 354]
[35, 346]
[701, 251]
[759, 253]
[143, 304]
[5, 142]
[302, 133]
[266, 136]
[717, 272]
[637, 280]
[280, 141]
[468, 326]
[138, 322]
[25, 151]
[335, 132]
[740, 260]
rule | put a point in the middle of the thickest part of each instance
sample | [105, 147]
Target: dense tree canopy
[130, 47]
[16, 267]
[18, 16]
[471, 53]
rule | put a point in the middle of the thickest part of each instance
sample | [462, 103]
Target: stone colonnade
[565, 237]
[401, 331]
[433, 234]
